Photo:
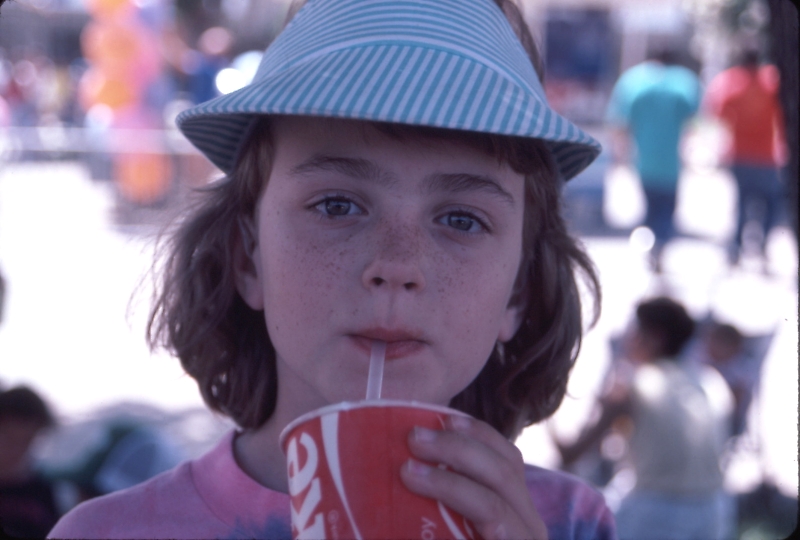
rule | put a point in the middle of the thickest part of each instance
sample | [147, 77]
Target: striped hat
[453, 64]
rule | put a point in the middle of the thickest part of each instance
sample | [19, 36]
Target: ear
[247, 265]
[512, 320]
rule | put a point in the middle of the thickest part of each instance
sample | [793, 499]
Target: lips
[399, 343]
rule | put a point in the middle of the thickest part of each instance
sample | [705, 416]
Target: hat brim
[396, 86]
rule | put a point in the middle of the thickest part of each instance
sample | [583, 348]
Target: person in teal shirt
[652, 102]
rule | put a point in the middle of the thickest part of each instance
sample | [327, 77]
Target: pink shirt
[211, 497]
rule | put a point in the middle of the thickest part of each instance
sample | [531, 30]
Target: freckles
[456, 286]
[323, 267]
[398, 241]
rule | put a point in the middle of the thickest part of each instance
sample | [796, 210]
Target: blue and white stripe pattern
[444, 63]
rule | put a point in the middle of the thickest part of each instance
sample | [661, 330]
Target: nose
[397, 264]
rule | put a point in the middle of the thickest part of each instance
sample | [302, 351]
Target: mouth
[399, 343]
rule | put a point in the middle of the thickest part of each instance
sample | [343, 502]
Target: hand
[485, 481]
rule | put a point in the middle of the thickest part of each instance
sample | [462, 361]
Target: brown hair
[666, 320]
[224, 344]
[23, 403]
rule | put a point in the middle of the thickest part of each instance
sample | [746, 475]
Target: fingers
[484, 477]
[474, 450]
[484, 509]
[486, 434]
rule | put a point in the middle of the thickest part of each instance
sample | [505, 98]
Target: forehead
[368, 131]
[299, 134]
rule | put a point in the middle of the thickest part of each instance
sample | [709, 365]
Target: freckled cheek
[474, 296]
[306, 274]
[457, 270]
[451, 283]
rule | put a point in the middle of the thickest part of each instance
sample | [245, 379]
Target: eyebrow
[365, 169]
[465, 182]
[354, 167]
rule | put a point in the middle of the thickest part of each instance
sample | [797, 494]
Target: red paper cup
[344, 465]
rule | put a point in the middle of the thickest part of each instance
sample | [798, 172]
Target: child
[28, 506]
[393, 174]
[679, 416]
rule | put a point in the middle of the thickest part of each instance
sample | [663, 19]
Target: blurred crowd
[677, 395]
[136, 71]
[133, 60]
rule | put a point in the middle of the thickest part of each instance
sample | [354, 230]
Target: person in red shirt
[745, 98]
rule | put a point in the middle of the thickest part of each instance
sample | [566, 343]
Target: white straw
[375, 378]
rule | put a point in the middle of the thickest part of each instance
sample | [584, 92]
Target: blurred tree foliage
[743, 15]
[195, 16]
[783, 31]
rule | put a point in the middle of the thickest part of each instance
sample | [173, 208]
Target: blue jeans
[660, 212]
[761, 198]
[647, 515]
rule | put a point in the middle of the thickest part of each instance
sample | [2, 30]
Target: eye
[464, 222]
[337, 206]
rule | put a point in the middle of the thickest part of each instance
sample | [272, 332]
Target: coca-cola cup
[344, 465]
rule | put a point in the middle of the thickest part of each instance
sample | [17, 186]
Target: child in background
[680, 415]
[393, 173]
[28, 506]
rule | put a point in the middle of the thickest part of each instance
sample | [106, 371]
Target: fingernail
[500, 533]
[460, 423]
[422, 434]
[418, 468]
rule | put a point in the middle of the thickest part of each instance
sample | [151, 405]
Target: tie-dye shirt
[211, 497]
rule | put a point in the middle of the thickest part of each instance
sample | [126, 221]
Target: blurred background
[92, 170]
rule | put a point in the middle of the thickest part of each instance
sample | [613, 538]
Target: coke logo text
[302, 478]
[428, 531]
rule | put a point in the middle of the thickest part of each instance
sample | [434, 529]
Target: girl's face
[360, 236]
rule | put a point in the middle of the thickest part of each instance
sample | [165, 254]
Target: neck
[258, 451]
[260, 456]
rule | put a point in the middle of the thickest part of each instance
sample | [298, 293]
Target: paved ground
[72, 331]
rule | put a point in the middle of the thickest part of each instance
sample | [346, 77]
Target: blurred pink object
[5, 113]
